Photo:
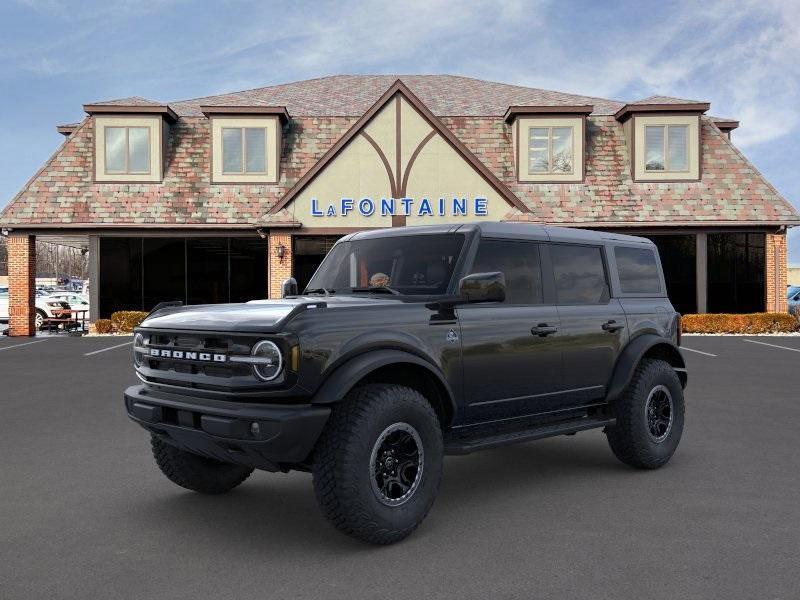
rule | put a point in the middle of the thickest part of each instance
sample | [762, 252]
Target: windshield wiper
[322, 290]
[377, 290]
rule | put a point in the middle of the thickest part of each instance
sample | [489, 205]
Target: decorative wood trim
[411, 160]
[630, 109]
[399, 87]
[384, 160]
[131, 109]
[279, 111]
[515, 111]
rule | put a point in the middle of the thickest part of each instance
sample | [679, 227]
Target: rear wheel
[195, 472]
[650, 416]
[378, 463]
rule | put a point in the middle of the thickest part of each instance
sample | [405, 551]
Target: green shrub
[103, 326]
[751, 324]
[125, 320]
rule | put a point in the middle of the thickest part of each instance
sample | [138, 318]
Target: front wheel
[650, 415]
[378, 463]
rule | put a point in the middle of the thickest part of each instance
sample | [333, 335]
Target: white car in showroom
[47, 307]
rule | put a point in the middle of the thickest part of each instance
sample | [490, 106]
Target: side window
[519, 262]
[580, 275]
[638, 270]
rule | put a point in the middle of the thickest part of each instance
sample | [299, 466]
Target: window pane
[164, 271]
[248, 272]
[638, 270]
[115, 149]
[654, 148]
[231, 150]
[138, 149]
[678, 261]
[519, 262]
[207, 270]
[678, 140]
[579, 274]
[736, 272]
[120, 271]
[538, 150]
[562, 149]
[256, 151]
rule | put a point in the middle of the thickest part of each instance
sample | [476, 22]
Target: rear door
[593, 324]
[511, 357]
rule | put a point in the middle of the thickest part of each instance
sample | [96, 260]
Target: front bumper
[226, 431]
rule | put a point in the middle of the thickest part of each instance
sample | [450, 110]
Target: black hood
[265, 316]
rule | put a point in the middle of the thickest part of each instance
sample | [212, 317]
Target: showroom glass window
[244, 150]
[666, 148]
[550, 150]
[519, 262]
[580, 275]
[127, 150]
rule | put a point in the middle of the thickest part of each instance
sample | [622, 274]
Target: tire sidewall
[657, 374]
[409, 411]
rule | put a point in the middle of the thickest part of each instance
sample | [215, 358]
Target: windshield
[405, 264]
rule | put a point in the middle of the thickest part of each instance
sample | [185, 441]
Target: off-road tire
[195, 472]
[342, 462]
[629, 437]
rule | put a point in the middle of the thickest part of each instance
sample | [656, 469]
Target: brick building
[221, 198]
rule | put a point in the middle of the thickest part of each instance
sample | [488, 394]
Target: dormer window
[245, 143]
[244, 150]
[550, 150]
[127, 150]
[666, 148]
[548, 142]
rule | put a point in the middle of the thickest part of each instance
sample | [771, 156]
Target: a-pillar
[21, 284]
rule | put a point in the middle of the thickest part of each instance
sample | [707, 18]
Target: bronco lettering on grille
[186, 355]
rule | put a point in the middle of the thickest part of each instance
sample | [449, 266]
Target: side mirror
[289, 287]
[483, 287]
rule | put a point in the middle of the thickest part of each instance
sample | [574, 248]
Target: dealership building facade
[221, 198]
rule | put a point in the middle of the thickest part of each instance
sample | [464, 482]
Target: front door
[593, 325]
[511, 357]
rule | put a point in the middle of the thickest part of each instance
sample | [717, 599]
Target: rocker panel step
[469, 445]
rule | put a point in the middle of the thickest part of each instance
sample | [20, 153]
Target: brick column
[775, 272]
[21, 284]
[279, 269]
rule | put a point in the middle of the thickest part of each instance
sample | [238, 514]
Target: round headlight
[269, 362]
[138, 342]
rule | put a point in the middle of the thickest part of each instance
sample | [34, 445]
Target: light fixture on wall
[280, 252]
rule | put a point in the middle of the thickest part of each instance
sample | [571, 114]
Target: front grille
[195, 372]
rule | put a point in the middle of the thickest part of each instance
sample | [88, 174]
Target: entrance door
[511, 351]
[307, 256]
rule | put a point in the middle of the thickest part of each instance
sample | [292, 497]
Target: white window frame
[635, 133]
[665, 148]
[127, 170]
[550, 129]
[521, 138]
[158, 132]
[272, 133]
[243, 129]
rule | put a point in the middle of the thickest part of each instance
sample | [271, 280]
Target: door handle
[612, 326]
[543, 330]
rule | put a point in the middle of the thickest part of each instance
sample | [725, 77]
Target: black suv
[409, 344]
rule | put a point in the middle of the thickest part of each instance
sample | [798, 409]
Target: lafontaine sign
[422, 207]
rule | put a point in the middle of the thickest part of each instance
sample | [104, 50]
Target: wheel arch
[390, 366]
[644, 346]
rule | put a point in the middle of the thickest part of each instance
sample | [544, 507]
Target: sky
[742, 56]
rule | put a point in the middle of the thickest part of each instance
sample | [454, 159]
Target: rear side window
[519, 262]
[638, 270]
[579, 273]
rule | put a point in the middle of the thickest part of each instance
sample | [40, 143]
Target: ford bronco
[409, 344]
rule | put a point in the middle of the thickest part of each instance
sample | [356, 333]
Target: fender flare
[336, 385]
[631, 356]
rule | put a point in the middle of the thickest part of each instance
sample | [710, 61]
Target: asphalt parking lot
[84, 513]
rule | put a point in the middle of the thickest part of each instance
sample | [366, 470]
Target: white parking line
[109, 348]
[20, 345]
[698, 351]
[771, 345]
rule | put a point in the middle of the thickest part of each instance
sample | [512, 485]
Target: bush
[749, 323]
[103, 326]
[125, 320]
